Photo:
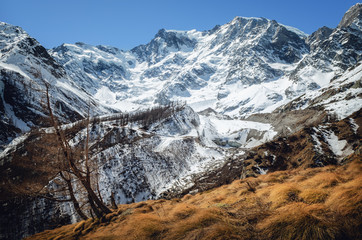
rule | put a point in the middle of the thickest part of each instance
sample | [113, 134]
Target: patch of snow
[354, 125]
[344, 108]
[317, 145]
[13, 145]
[261, 171]
[14, 68]
[17, 122]
[296, 31]
[337, 146]
[105, 96]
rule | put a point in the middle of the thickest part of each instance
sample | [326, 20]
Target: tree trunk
[73, 198]
[94, 197]
[75, 202]
[113, 202]
[94, 207]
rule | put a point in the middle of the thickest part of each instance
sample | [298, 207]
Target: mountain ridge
[241, 85]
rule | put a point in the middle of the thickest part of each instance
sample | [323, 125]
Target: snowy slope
[340, 98]
[249, 65]
[25, 69]
[213, 69]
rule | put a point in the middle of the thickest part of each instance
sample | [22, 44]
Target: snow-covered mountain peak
[352, 18]
[245, 20]
[9, 32]
[255, 23]
[246, 66]
[26, 68]
[193, 66]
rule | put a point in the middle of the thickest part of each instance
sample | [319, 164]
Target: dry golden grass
[284, 193]
[275, 177]
[346, 199]
[312, 195]
[300, 221]
[144, 226]
[318, 203]
[201, 219]
[323, 180]
[183, 211]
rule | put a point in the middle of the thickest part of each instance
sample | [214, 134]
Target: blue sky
[128, 23]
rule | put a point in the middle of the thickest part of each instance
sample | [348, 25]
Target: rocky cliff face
[332, 52]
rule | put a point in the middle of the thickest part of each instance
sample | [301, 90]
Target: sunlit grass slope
[315, 203]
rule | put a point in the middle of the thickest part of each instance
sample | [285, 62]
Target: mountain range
[234, 98]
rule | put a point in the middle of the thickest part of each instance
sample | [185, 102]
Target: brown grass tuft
[218, 231]
[284, 193]
[183, 211]
[202, 219]
[312, 195]
[354, 168]
[347, 198]
[144, 226]
[275, 177]
[323, 180]
[300, 221]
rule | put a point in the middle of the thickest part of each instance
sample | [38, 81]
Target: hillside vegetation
[314, 203]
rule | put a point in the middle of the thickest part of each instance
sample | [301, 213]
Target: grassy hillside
[314, 203]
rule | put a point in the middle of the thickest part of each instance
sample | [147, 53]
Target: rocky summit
[184, 113]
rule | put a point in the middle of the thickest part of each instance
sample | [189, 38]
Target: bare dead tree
[75, 168]
[77, 171]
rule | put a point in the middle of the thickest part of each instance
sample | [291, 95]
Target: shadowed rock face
[24, 216]
[318, 36]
